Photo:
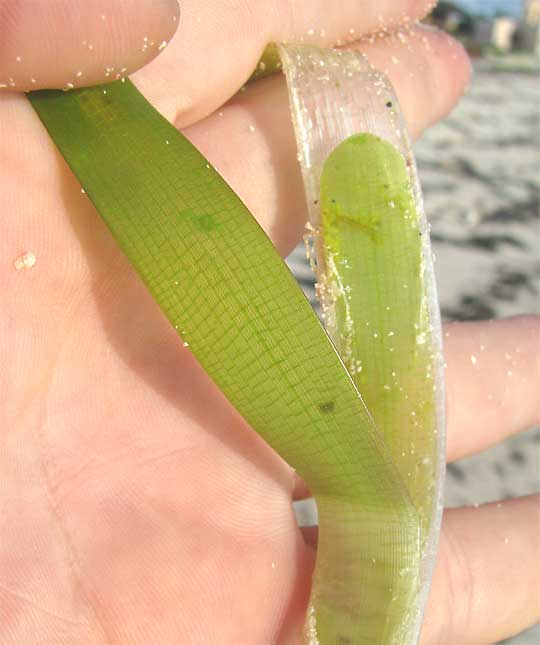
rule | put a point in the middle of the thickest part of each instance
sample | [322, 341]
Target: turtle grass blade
[223, 287]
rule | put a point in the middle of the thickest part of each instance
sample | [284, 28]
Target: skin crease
[136, 506]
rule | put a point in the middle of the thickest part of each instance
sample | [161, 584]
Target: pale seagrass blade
[376, 287]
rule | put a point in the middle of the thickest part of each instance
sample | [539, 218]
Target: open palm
[136, 506]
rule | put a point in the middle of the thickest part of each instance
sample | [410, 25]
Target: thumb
[72, 43]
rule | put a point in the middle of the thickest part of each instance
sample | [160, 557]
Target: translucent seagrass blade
[375, 284]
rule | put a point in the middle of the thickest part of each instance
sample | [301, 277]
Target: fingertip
[428, 68]
[452, 68]
[484, 587]
[74, 43]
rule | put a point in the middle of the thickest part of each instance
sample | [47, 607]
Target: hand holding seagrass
[138, 506]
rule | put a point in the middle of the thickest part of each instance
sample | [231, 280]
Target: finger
[251, 140]
[492, 381]
[487, 580]
[429, 70]
[69, 43]
[299, 490]
[218, 44]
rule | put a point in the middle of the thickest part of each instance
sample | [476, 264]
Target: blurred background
[480, 173]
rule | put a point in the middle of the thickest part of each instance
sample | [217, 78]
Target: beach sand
[479, 171]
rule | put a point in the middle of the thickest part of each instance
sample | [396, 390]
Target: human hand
[136, 505]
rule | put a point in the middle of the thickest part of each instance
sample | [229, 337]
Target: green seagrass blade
[371, 234]
[223, 287]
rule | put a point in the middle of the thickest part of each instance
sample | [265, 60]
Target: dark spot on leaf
[517, 457]
[456, 472]
[389, 104]
[327, 407]
[207, 222]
